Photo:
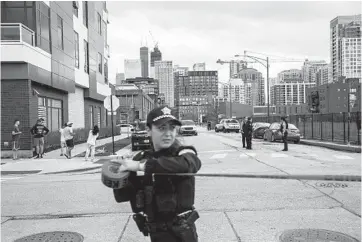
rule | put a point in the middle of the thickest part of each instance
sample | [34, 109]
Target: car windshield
[187, 122]
[257, 125]
[141, 126]
[232, 121]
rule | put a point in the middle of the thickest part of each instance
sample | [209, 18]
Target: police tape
[350, 178]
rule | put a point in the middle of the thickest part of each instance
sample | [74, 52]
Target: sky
[203, 32]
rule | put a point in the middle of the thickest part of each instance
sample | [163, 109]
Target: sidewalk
[330, 145]
[54, 163]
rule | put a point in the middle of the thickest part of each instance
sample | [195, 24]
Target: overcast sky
[193, 32]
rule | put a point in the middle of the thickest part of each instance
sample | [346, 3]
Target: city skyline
[201, 38]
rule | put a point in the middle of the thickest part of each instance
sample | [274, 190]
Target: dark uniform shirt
[38, 130]
[16, 137]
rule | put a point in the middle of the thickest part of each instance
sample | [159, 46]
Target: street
[231, 209]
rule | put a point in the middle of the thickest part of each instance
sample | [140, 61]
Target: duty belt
[164, 226]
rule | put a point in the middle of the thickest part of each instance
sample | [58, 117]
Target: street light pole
[267, 83]
[231, 108]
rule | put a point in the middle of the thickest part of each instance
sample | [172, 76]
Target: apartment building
[46, 51]
[310, 70]
[164, 75]
[289, 93]
[253, 85]
[292, 75]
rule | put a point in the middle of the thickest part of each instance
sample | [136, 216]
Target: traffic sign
[115, 103]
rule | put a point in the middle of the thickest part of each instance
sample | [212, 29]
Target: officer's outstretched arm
[185, 162]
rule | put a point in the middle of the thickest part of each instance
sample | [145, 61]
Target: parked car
[124, 128]
[273, 133]
[188, 127]
[228, 125]
[140, 139]
[259, 129]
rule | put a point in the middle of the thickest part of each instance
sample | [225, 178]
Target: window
[99, 117]
[99, 24]
[91, 121]
[100, 60]
[105, 70]
[76, 48]
[60, 33]
[85, 13]
[105, 119]
[86, 57]
[75, 8]
[51, 111]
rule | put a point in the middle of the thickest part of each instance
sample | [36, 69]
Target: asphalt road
[231, 209]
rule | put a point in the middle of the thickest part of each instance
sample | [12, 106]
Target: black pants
[285, 140]
[243, 137]
[248, 141]
[169, 236]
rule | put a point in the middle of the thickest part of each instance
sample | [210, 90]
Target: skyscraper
[254, 86]
[348, 28]
[310, 70]
[164, 75]
[144, 61]
[155, 55]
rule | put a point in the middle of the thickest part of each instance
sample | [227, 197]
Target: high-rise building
[235, 67]
[310, 69]
[351, 57]
[199, 67]
[200, 83]
[165, 77]
[56, 69]
[254, 86]
[144, 61]
[132, 68]
[120, 78]
[289, 93]
[323, 75]
[293, 75]
[182, 71]
[237, 88]
[149, 86]
[342, 27]
[156, 55]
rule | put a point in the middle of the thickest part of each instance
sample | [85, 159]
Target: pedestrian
[91, 142]
[163, 205]
[15, 139]
[209, 125]
[243, 131]
[63, 145]
[249, 133]
[39, 130]
[284, 130]
[69, 139]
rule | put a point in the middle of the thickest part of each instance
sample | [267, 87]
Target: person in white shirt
[62, 140]
[91, 142]
[68, 136]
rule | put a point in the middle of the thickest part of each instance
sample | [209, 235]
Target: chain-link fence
[335, 127]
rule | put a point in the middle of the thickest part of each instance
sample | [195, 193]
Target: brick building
[46, 51]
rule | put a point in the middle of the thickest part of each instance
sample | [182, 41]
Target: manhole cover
[56, 236]
[315, 235]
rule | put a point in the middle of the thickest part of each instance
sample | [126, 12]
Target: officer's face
[163, 136]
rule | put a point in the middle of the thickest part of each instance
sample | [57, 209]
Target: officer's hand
[129, 165]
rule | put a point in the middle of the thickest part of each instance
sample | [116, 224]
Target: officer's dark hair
[16, 120]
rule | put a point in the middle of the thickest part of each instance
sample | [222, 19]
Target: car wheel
[264, 137]
[296, 142]
[237, 131]
[223, 130]
[196, 134]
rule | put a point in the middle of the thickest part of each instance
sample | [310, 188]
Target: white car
[188, 127]
[124, 128]
[228, 125]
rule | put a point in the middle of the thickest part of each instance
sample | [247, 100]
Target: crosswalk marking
[343, 157]
[218, 156]
[213, 151]
[276, 155]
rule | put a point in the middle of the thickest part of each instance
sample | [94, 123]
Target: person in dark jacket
[248, 132]
[39, 131]
[284, 130]
[163, 203]
[243, 131]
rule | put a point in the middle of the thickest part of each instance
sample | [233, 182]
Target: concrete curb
[332, 146]
[73, 170]
[20, 172]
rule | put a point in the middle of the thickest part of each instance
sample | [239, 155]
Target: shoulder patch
[187, 150]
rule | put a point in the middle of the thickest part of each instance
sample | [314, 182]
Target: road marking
[213, 151]
[9, 178]
[251, 154]
[276, 155]
[343, 157]
[218, 156]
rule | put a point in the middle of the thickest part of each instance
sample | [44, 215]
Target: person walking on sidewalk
[91, 142]
[249, 133]
[163, 205]
[284, 130]
[69, 135]
[15, 139]
[243, 131]
[39, 131]
[63, 145]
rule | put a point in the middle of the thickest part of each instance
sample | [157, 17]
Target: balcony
[18, 45]
[17, 33]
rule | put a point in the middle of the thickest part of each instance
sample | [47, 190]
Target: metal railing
[335, 127]
[17, 33]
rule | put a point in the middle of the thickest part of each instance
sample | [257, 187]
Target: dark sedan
[273, 133]
[258, 132]
[140, 139]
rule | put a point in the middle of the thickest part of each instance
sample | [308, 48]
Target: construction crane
[153, 39]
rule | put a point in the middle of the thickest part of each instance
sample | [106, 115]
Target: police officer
[243, 131]
[284, 131]
[163, 203]
[248, 131]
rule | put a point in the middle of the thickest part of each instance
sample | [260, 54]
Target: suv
[188, 127]
[140, 139]
[228, 125]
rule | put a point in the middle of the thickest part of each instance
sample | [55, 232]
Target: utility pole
[231, 104]
[267, 83]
